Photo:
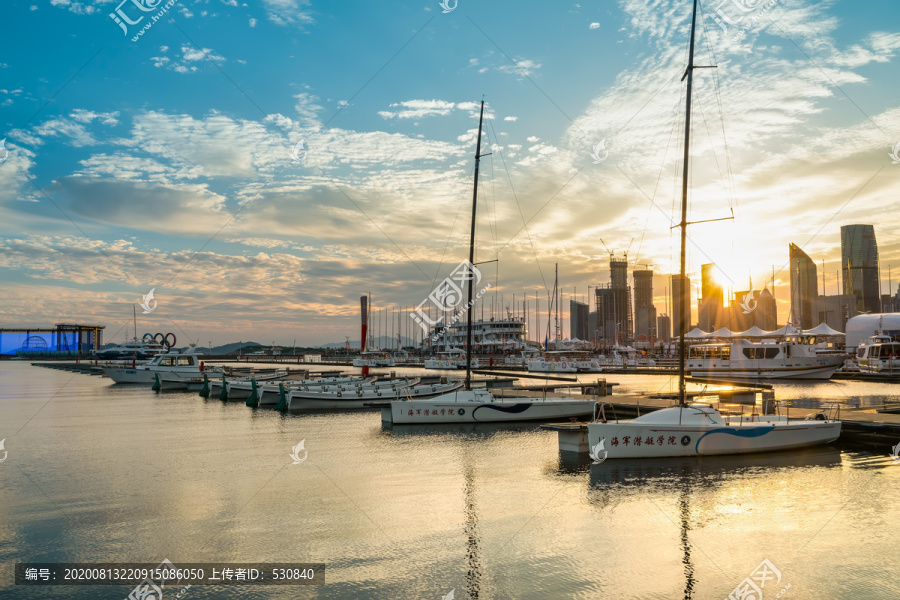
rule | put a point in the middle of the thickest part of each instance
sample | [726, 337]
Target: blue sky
[166, 162]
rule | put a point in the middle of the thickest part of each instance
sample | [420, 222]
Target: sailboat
[480, 405]
[699, 429]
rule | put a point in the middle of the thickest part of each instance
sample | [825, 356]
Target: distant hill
[383, 341]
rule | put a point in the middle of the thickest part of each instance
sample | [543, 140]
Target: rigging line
[521, 214]
[826, 76]
[492, 204]
[662, 167]
[718, 92]
[712, 146]
[524, 74]
[672, 222]
[449, 237]
[378, 227]
[564, 186]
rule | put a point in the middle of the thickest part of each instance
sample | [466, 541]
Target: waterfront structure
[644, 311]
[804, 288]
[64, 339]
[859, 266]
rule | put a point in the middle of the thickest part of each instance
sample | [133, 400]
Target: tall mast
[685, 306]
[472, 256]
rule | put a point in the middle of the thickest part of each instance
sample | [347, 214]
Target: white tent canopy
[722, 332]
[696, 333]
[754, 331]
[823, 329]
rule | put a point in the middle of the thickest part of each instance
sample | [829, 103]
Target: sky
[260, 165]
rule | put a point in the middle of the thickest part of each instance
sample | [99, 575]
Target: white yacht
[170, 365]
[554, 362]
[374, 359]
[794, 357]
[879, 354]
[452, 359]
[130, 350]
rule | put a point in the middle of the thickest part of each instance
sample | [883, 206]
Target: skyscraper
[644, 311]
[804, 288]
[578, 320]
[859, 266]
[621, 296]
[711, 301]
[681, 304]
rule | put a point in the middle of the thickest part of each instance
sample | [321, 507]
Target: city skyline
[259, 172]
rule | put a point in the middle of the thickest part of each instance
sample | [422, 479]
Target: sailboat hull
[630, 440]
[509, 410]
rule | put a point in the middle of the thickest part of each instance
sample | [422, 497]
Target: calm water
[104, 473]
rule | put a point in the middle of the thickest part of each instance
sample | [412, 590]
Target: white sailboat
[697, 429]
[468, 405]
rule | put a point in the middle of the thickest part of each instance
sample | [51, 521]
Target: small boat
[796, 357]
[374, 359]
[879, 354]
[452, 359]
[239, 389]
[171, 365]
[699, 429]
[553, 362]
[481, 406]
[359, 397]
[269, 393]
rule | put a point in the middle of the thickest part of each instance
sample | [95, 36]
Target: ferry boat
[488, 337]
[795, 357]
[879, 354]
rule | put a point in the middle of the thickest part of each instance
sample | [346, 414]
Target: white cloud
[288, 12]
[510, 118]
[532, 138]
[76, 7]
[595, 26]
[252, 22]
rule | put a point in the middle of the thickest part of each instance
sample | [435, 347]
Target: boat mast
[472, 256]
[685, 306]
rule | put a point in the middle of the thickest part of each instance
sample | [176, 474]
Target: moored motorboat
[172, 365]
[794, 357]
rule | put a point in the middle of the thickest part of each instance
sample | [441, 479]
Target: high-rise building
[711, 299]
[753, 307]
[578, 320]
[618, 283]
[804, 288]
[664, 328]
[835, 311]
[859, 266]
[681, 304]
[644, 311]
